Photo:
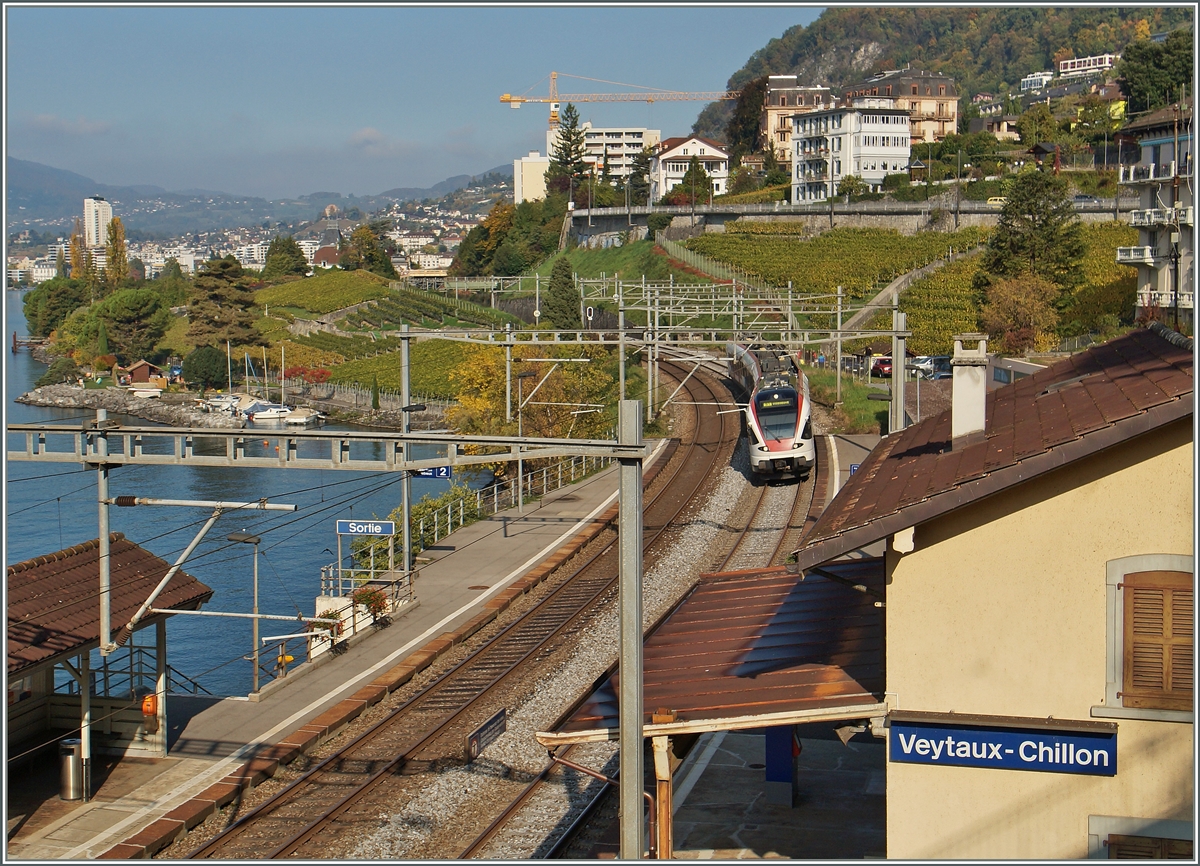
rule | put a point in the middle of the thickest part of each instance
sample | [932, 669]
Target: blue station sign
[366, 527]
[1042, 749]
[434, 472]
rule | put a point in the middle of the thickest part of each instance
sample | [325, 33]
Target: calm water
[50, 506]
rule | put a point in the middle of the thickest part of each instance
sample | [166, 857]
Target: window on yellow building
[1157, 640]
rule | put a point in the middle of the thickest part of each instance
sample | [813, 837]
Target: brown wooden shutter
[1148, 848]
[1157, 640]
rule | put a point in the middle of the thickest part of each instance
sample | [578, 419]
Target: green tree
[851, 184]
[206, 367]
[741, 180]
[1150, 73]
[133, 321]
[694, 188]
[742, 131]
[639, 177]
[375, 392]
[1018, 313]
[116, 262]
[137, 270]
[1095, 119]
[561, 302]
[1038, 232]
[60, 265]
[508, 260]
[567, 165]
[773, 173]
[364, 251]
[284, 258]
[48, 306]
[220, 306]
[62, 370]
[1037, 124]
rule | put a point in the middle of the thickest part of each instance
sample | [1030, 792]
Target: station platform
[220, 746]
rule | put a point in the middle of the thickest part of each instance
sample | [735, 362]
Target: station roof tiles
[754, 643]
[53, 608]
[1084, 404]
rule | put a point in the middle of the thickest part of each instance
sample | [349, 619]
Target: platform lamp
[250, 538]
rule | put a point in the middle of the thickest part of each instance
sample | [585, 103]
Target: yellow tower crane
[555, 99]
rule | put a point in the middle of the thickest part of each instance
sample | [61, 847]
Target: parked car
[997, 201]
[882, 367]
[1086, 199]
[928, 365]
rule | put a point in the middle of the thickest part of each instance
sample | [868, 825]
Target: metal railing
[132, 673]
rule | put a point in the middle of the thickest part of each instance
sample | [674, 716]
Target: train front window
[776, 411]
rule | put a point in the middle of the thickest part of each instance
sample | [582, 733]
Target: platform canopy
[53, 600]
[756, 649]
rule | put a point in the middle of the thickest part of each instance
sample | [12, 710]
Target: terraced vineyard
[860, 260]
[424, 309]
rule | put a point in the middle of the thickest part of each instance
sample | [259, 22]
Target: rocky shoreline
[168, 411]
[180, 410]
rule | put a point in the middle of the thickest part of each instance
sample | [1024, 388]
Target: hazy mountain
[41, 197]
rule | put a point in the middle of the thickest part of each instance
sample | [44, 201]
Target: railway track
[343, 795]
[778, 517]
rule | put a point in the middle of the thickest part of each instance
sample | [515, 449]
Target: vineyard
[426, 310]
[430, 361]
[862, 261]
[944, 303]
[324, 292]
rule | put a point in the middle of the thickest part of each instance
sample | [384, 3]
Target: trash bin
[71, 753]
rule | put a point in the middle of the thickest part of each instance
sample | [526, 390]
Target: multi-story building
[252, 255]
[1087, 65]
[97, 214]
[868, 138]
[785, 98]
[529, 177]
[611, 147]
[1164, 256]
[1036, 80]
[309, 248]
[930, 98]
[670, 163]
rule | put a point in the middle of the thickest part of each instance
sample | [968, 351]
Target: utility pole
[630, 666]
[838, 400]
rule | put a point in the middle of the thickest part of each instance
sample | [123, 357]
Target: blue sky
[279, 101]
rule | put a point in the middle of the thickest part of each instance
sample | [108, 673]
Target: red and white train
[778, 411]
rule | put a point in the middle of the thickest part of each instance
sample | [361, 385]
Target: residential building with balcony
[1164, 255]
[670, 163]
[785, 97]
[1087, 65]
[930, 98]
[869, 138]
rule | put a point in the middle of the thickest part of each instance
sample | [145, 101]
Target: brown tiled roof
[756, 642]
[672, 143]
[1071, 410]
[53, 606]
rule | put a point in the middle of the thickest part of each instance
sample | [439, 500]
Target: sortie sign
[366, 527]
[1039, 749]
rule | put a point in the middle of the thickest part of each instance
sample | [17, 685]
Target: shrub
[656, 222]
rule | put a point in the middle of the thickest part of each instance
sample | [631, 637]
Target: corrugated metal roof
[1071, 410]
[756, 643]
[53, 600]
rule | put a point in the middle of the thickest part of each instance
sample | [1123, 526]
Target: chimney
[969, 388]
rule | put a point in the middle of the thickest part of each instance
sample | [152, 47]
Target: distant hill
[43, 197]
[985, 49]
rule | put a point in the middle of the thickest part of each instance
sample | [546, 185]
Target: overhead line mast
[555, 98]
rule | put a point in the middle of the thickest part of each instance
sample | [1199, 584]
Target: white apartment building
[252, 255]
[1036, 80]
[1165, 254]
[669, 165]
[869, 139]
[1087, 65]
[97, 214]
[44, 269]
[309, 248]
[612, 146]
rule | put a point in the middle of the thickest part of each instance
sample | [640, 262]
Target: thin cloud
[370, 142]
[81, 126]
